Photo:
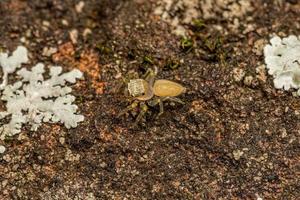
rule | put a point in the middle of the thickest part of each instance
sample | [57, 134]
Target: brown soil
[231, 140]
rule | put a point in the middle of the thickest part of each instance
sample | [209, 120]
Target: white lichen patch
[9, 64]
[181, 13]
[178, 13]
[34, 99]
[228, 9]
[282, 58]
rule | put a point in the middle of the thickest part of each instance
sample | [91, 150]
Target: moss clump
[186, 44]
[172, 64]
[148, 60]
[198, 25]
[103, 49]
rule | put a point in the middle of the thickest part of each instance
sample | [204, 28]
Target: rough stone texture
[233, 139]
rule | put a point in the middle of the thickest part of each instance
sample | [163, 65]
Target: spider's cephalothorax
[150, 92]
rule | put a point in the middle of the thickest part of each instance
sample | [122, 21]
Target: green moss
[213, 43]
[186, 44]
[214, 48]
[8, 139]
[148, 60]
[198, 24]
[103, 49]
[172, 64]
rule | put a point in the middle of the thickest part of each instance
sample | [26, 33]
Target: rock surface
[235, 138]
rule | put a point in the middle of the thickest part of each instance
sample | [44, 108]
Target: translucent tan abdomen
[165, 88]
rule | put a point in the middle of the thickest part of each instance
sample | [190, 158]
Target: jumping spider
[150, 92]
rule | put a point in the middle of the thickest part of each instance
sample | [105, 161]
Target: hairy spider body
[150, 92]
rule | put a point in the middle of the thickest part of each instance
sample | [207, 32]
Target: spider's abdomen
[165, 88]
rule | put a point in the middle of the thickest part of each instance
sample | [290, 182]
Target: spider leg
[149, 76]
[161, 105]
[174, 99]
[143, 111]
[161, 108]
[128, 108]
[122, 85]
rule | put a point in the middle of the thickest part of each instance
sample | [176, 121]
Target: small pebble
[48, 51]
[73, 36]
[62, 140]
[46, 23]
[238, 74]
[86, 32]
[237, 154]
[248, 80]
[79, 7]
[2, 149]
[65, 22]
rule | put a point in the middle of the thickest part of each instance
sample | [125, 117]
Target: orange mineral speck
[88, 63]
[16, 6]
